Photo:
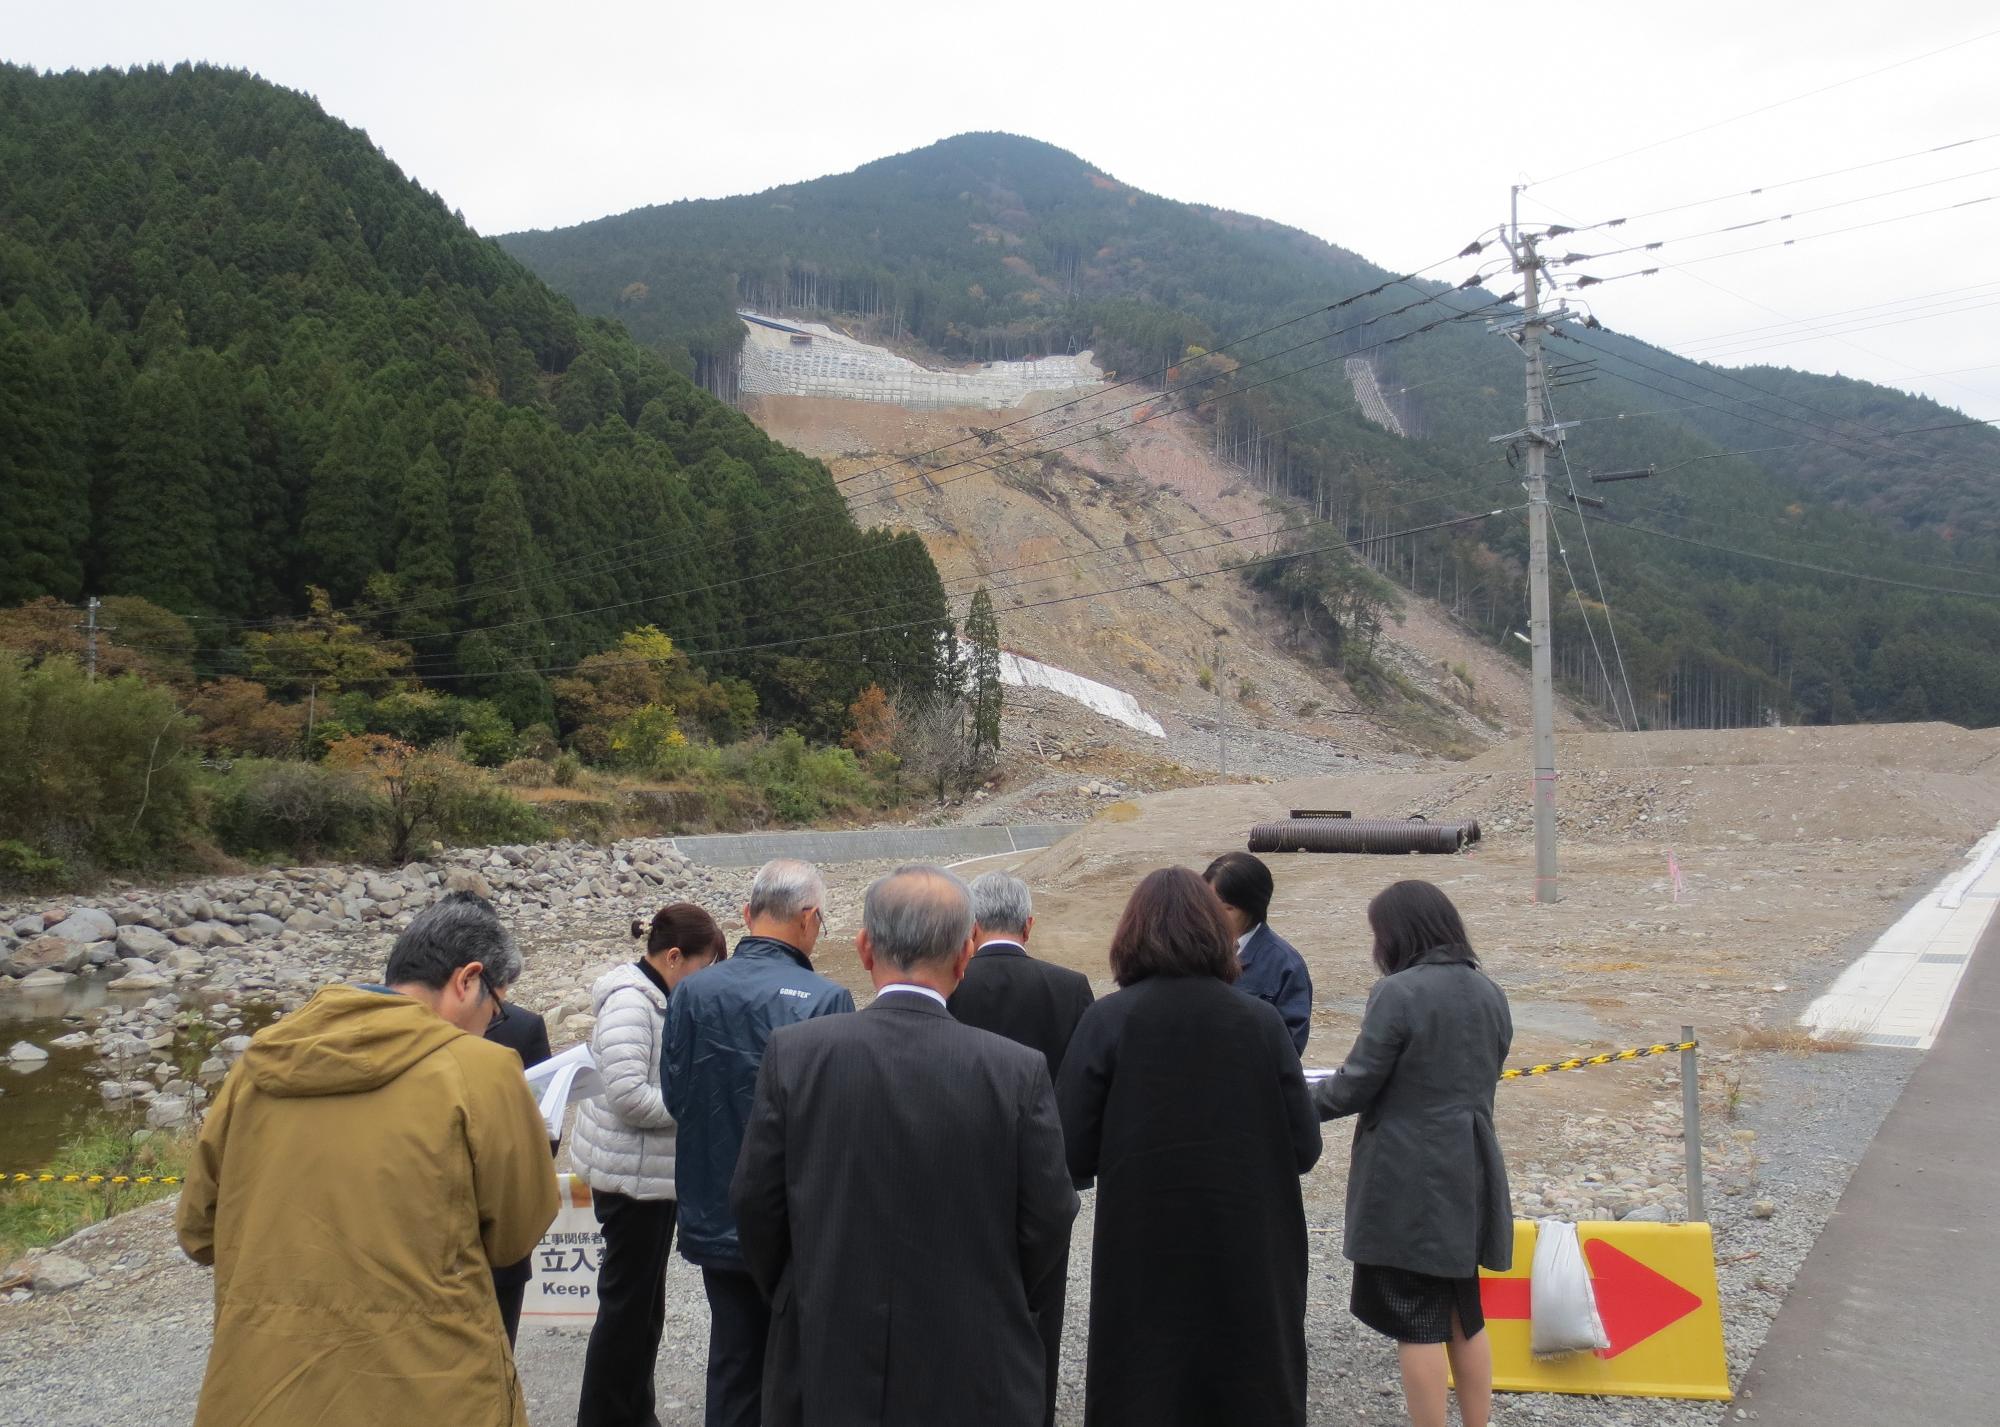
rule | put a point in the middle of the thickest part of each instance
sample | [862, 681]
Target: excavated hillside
[1069, 545]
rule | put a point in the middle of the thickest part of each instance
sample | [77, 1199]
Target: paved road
[1892, 1319]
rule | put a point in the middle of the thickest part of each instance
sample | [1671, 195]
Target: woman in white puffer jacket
[623, 1146]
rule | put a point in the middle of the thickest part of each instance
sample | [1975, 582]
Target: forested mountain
[989, 246]
[242, 355]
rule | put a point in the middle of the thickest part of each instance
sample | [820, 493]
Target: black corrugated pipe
[1376, 835]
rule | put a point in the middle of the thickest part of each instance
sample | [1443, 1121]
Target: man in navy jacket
[1271, 968]
[718, 1022]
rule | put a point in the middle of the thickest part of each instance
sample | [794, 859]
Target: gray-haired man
[1035, 1004]
[902, 1192]
[368, 1160]
[718, 1022]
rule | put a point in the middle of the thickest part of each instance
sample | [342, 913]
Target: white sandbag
[1564, 1303]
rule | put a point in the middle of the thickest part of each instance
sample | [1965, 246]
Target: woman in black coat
[1427, 1202]
[1185, 1101]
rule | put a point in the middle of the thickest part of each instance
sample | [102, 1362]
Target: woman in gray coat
[1427, 1202]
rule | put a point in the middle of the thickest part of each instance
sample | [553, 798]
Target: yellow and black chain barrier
[46, 1177]
[1583, 1062]
[1519, 1072]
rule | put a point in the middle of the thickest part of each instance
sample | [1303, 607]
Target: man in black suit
[902, 1194]
[1010, 993]
[526, 1034]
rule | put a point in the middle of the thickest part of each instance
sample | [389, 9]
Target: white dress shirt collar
[908, 986]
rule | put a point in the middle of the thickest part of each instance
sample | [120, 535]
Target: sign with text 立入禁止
[1657, 1297]
[563, 1285]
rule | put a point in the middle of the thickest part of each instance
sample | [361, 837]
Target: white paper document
[561, 1081]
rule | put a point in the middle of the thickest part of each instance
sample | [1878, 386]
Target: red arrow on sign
[1634, 1301]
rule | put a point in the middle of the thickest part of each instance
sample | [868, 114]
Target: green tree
[982, 632]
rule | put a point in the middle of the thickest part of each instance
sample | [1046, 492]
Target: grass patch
[1797, 1040]
[33, 1216]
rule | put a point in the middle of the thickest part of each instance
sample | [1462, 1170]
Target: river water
[42, 1104]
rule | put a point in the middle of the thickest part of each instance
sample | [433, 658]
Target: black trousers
[739, 1321]
[510, 1286]
[1049, 1319]
[624, 1346]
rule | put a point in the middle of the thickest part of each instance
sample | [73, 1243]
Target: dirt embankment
[1070, 549]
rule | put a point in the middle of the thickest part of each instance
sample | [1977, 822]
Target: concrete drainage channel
[911, 844]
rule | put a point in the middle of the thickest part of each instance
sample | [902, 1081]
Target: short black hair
[1244, 882]
[456, 930]
[1412, 919]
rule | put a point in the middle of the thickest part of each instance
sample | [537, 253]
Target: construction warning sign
[563, 1288]
[1656, 1295]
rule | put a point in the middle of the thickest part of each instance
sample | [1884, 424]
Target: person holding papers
[624, 1147]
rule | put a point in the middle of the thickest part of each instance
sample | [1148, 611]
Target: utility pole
[1537, 436]
[90, 637]
[1221, 711]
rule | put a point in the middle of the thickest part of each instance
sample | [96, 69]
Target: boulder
[86, 924]
[184, 958]
[140, 981]
[168, 1112]
[47, 979]
[27, 927]
[234, 1046]
[464, 879]
[22, 1053]
[260, 924]
[75, 1040]
[193, 934]
[52, 1273]
[45, 953]
[142, 942]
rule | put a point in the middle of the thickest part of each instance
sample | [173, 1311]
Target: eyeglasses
[493, 995]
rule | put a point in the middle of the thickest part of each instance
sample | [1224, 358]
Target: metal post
[1529, 266]
[90, 636]
[1691, 1127]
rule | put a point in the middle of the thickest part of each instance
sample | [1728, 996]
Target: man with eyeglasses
[718, 1022]
[366, 1163]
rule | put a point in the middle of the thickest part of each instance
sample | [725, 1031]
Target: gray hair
[786, 889]
[1000, 903]
[917, 914]
[457, 929]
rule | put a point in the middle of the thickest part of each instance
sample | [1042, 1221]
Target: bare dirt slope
[1062, 545]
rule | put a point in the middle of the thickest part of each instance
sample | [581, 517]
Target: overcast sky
[1391, 129]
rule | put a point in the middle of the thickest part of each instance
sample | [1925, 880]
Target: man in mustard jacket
[366, 1163]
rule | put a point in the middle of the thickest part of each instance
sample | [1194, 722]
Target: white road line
[1898, 992]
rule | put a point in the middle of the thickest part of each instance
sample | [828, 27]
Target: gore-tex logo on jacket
[794, 991]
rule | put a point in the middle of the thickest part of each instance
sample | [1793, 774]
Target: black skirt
[1414, 1307]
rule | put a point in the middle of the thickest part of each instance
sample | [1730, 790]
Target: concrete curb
[752, 849]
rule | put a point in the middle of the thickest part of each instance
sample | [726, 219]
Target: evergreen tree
[341, 534]
[156, 530]
[982, 632]
[425, 569]
[44, 483]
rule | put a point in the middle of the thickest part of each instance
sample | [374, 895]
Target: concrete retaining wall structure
[913, 844]
[811, 359]
[1367, 391]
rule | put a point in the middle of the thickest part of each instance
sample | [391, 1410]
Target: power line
[1765, 188]
[1603, 596]
[1589, 281]
[469, 590]
[1769, 219]
[892, 628]
[1762, 109]
[1796, 564]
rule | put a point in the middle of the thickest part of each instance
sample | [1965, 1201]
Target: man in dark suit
[1010, 993]
[527, 1035]
[902, 1194]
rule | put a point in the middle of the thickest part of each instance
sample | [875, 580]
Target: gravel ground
[148, 1309]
